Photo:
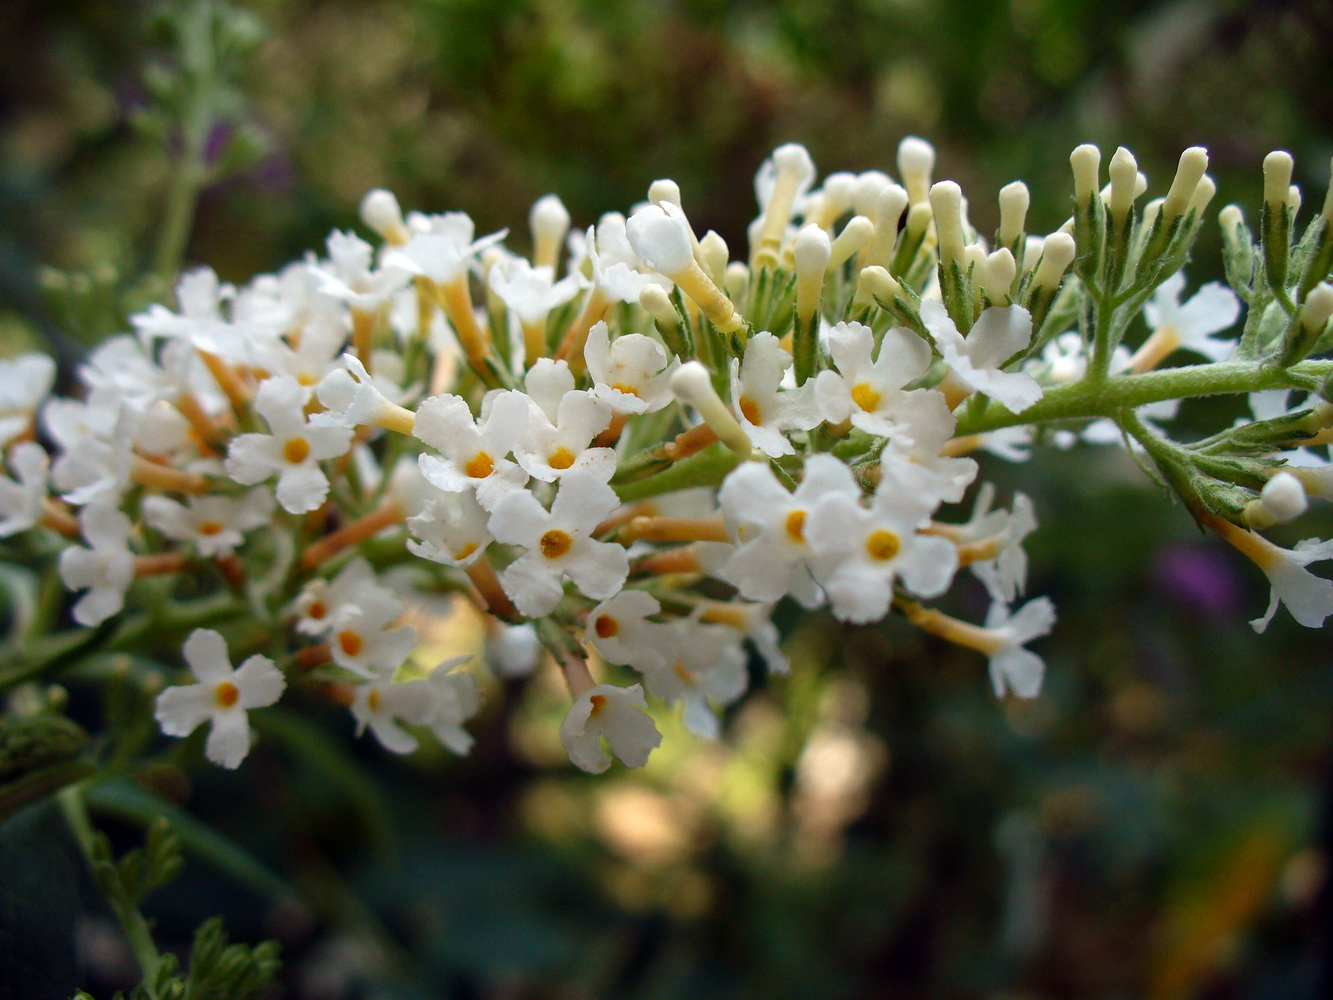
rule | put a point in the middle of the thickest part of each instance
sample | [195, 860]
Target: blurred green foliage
[877, 825]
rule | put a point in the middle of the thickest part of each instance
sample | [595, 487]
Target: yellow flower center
[598, 703]
[210, 528]
[750, 410]
[227, 694]
[796, 526]
[882, 545]
[296, 451]
[684, 673]
[480, 465]
[562, 458]
[351, 642]
[555, 543]
[865, 397]
[465, 551]
[373, 699]
[606, 627]
[628, 390]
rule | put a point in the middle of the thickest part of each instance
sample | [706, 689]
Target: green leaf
[126, 800]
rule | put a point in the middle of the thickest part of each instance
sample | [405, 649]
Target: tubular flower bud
[855, 235]
[916, 161]
[946, 202]
[1193, 163]
[1086, 161]
[1277, 179]
[380, 211]
[1124, 171]
[1014, 199]
[713, 255]
[997, 276]
[889, 209]
[664, 190]
[736, 280]
[549, 222]
[1056, 256]
[1203, 194]
[794, 170]
[813, 249]
[692, 385]
[876, 283]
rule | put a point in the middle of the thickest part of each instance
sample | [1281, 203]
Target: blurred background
[1157, 824]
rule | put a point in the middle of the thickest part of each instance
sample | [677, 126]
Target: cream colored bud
[1151, 211]
[549, 222]
[1230, 217]
[657, 304]
[855, 235]
[865, 195]
[1193, 162]
[811, 253]
[916, 162]
[918, 219]
[1277, 178]
[736, 280]
[888, 211]
[876, 283]
[1057, 253]
[1318, 307]
[997, 276]
[381, 212]
[1014, 200]
[946, 202]
[1284, 498]
[664, 189]
[691, 384]
[1086, 162]
[713, 254]
[839, 189]
[1203, 194]
[1294, 199]
[1124, 171]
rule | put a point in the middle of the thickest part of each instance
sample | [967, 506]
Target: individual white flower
[617, 714]
[441, 702]
[860, 553]
[1012, 667]
[25, 382]
[442, 249]
[352, 397]
[619, 629]
[361, 639]
[349, 275]
[1191, 326]
[998, 334]
[550, 450]
[473, 452]
[313, 357]
[559, 544]
[452, 529]
[616, 269]
[105, 569]
[200, 321]
[321, 602]
[95, 436]
[703, 666]
[769, 525]
[754, 622]
[223, 696]
[1005, 574]
[866, 392]
[213, 525]
[631, 373]
[1309, 598]
[764, 410]
[23, 497]
[292, 450]
[530, 293]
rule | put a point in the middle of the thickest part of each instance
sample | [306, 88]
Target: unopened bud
[876, 283]
[1294, 199]
[997, 276]
[1193, 163]
[661, 238]
[1086, 161]
[1124, 171]
[1014, 200]
[1230, 217]
[916, 162]
[1284, 498]
[1277, 179]
[889, 209]
[794, 172]
[662, 190]
[946, 202]
[549, 222]
[381, 212]
[713, 254]
[839, 189]
[811, 253]
[1057, 253]
[865, 195]
[1203, 194]
[691, 384]
[855, 235]
[657, 304]
[736, 280]
[1317, 308]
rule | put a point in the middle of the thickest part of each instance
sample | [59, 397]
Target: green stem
[1089, 398]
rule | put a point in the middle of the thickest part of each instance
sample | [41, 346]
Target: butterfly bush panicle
[628, 455]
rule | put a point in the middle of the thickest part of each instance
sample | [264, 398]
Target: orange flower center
[606, 627]
[465, 551]
[227, 694]
[796, 526]
[373, 699]
[598, 703]
[480, 465]
[351, 642]
[882, 545]
[865, 397]
[561, 458]
[296, 451]
[317, 610]
[628, 390]
[555, 543]
[750, 410]
[210, 528]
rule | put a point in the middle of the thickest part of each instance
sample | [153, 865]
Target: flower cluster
[634, 443]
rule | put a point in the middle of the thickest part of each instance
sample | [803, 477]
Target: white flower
[530, 293]
[617, 714]
[442, 702]
[1191, 326]
[214, 525]
[1011, 666]
[559, 544]
[703, 665]
[24, 384]
[444, 250]
[631, 373]
[619, 629]
[452, 530]
[349, 274]
[868, 392]
[360, 639]
[1005, 575]
[105, 569]
[616, 268]
[222, 697]
[1309, 598]
[292, 450]
[473, 451]
[925, 426]
[22, 498]
[550, 450]
[763, 410]
[998, 334]
[353, 397]
[322, 601]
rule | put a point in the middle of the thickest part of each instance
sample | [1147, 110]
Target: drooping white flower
[292, 450]
[617, 714]
[472, 453]
[1309, 598]
[864, 391]
[1012, 667]
[441, 701]
[213, 525]
[1191, 326]
[105, 569]
[22, 498]
[352, 397]
[1005, 575]
[769, 525]
[999, 333]
[765, 411]
[703, 665]
[619, 629]
[631, 373]
[452, 529]
[223, 696]
[559, 544]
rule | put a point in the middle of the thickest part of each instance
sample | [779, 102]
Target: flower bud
[381, 212]
[812, 251]
[1086, 161]
[855, 235]
[1124, 171]
[662, 190]
[660, 236]
[946, 202]
[865, 195]
[916, 161]
[713, 255]
[997, 276]
[1193, 163]
[1284, 498]
[1277, 179]
[691, 384]
[888, 210]
[1014, 200]
[736, 280]
[1056, 255]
